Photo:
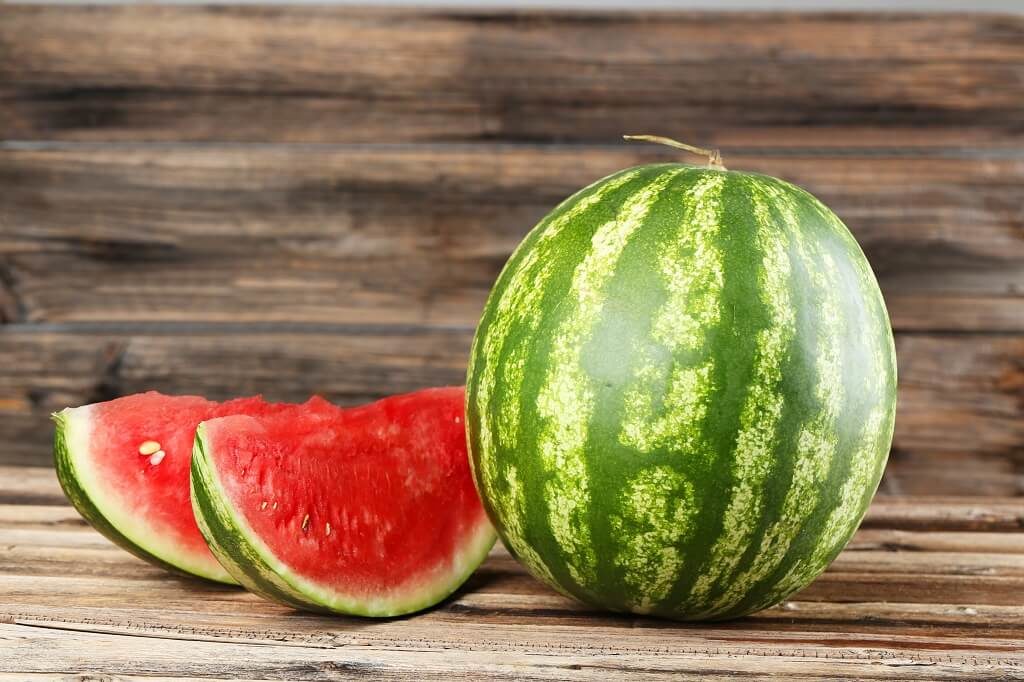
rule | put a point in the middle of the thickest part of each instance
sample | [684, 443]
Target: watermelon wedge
[368, 511]
[124, 464]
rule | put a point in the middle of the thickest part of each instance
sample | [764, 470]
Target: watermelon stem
[714, 156]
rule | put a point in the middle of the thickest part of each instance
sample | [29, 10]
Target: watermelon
[124, 464]
[681, 392]
[369, 511]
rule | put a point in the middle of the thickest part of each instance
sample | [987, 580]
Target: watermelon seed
[305, 523]
[275, 506]
[157, 457]
[148, 447]
[328, 527]
[263, 505]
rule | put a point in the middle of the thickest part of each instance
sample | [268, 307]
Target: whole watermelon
[681, 392]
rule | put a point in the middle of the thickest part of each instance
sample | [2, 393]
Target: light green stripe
[762, 407]
[513, 511]
[518, 304]
[691, 271]
[817, 440]
[565, 402]
[842, 520]
[649, 529]
[656, 514]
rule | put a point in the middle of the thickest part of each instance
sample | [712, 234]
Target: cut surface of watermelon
[367, 511]
[109, 463]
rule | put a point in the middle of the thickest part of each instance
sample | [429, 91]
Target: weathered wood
[963, 473]
[36, 647]
[948, 513]
[32, 495]
[417, 235]
[914, 577]
[957, 392]
[940, 601]
[340, 74]
[933, 540]
[962, 391]
[46, 372]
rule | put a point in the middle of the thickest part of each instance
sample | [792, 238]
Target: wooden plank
[164, 603]
[439, 627]
[958, 393]
[942, 473]
[946, 513]
[32, 495]
[71, 602]
[416, 235]
[36, 648]
[527, 620]
[344, 74]
[857, 576]
[909, 541]
[955, 394]
[936, 541]
[47, 372]
[480, 618]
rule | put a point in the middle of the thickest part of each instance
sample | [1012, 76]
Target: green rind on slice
[70, 448]
[247, 558]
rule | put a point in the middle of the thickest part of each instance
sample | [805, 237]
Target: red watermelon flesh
[369, 510]
[141, 501]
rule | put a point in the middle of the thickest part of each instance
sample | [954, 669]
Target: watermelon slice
[124, 464]
[369, 511]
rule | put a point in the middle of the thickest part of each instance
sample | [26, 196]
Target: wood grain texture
[317, 258]
[348, 75]
[416, 235]
[957, 392]
[938, 601]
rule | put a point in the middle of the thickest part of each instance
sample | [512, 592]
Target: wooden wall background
[229, 200]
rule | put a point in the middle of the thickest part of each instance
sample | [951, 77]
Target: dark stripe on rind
[851, 416]
[572, 248]
[609, 380]
[765, 411]
[479, 366]
[856, 406]
[225, 538]
[795, 405]
[80, 499]
[555, 317]
[800, 409]
[230, 543]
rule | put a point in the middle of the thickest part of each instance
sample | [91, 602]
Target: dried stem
[714, 156]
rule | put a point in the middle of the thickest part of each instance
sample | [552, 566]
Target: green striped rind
[70, 453]
[247, 558]
[680, 396]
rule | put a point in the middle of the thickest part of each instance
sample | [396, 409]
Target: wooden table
[929, 588]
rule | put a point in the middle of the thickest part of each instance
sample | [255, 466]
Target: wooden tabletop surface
[930, 588]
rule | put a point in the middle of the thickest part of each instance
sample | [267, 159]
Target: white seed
[458, 420]
[148, 447]
[305, 523]
[263, 505]
[328, 527]
[157, 457]
[275, 506]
